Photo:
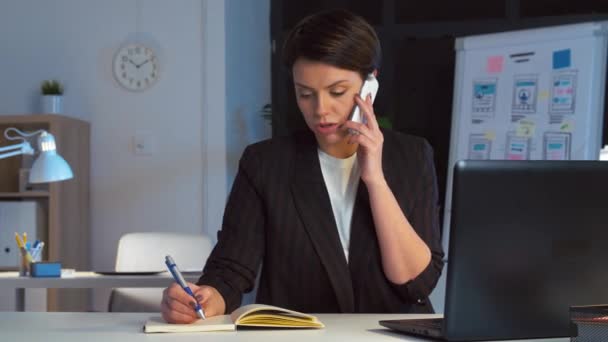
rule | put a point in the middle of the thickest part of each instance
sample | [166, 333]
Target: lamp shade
[49, 166]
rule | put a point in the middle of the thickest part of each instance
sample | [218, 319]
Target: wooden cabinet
[65, 203]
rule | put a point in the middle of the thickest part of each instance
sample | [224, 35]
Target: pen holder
[24, 266]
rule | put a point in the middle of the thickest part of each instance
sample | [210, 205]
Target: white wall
[248, 53]
[214, 117]
[190, 112]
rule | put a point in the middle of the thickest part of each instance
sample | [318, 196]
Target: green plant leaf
[51, 87]
[385, 122]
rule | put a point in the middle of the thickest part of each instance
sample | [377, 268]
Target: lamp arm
[17, 149]
[20, 133]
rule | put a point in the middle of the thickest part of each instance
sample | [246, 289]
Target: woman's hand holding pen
[177, 306]
[370, 140]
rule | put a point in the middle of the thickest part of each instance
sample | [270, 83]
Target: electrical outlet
[144, 144]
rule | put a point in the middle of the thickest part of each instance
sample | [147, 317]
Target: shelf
[24, 194]
[64, 206]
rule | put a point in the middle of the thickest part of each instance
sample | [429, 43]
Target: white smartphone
[370, 86]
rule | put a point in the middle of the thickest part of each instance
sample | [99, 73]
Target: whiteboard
[533, 94]
[526, 95]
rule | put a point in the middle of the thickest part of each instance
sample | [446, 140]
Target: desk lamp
[48, 166]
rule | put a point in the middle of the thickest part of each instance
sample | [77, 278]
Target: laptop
[528, 239]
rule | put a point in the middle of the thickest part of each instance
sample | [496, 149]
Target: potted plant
[52, 96]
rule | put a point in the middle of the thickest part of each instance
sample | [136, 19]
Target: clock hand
[131, 61]
[144, 62]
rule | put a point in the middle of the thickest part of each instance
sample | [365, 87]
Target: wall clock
[136, 66]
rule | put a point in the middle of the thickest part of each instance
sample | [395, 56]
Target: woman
[340, 222]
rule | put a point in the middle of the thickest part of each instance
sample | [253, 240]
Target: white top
[341, 179]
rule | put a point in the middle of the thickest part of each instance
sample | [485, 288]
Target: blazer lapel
[362, 232]
[313, 204]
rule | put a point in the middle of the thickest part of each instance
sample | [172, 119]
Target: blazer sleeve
[424, 217]
[234, 262]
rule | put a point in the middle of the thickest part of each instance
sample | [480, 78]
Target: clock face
[135, 67]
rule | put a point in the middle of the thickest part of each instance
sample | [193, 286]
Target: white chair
[145, 252]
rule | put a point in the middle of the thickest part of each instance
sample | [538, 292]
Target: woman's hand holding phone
[369, 138]
[370, 86]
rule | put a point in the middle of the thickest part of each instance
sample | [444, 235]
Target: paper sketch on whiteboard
[525, 89]
[556, 145]
[484, 99]
[517, 148]
[563, 95]
[479, 147]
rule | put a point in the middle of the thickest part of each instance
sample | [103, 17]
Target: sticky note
[543, 95]
[566, 126]
[490, 135]
[525, 128]
[494, 64]
[561, 59]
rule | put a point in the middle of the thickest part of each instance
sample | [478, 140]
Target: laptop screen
[528, 239]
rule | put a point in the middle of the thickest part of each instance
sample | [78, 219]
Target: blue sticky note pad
[45, 269]
[561, 59]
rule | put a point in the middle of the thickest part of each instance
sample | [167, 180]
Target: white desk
[92, 327]
[90, 280]
[12, 280]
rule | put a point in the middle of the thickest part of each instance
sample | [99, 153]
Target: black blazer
[279, 214]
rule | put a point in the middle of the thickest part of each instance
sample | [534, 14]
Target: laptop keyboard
[430, 323]
[429, 327]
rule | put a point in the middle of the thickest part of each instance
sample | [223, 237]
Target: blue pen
[37, 251]
[177, 275]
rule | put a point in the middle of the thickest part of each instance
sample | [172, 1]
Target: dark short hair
[336, 37]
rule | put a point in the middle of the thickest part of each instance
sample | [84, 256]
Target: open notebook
[252, 315]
